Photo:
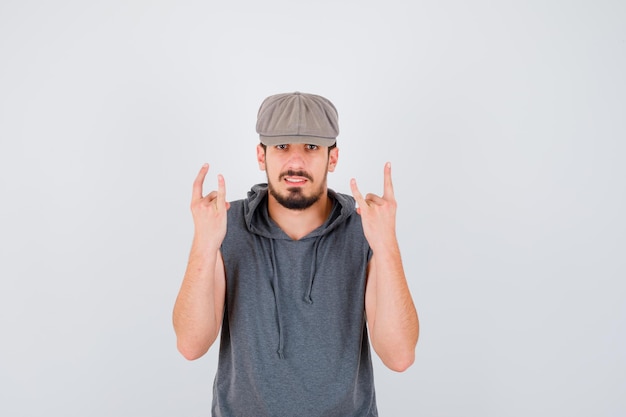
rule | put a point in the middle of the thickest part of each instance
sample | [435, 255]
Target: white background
[505, 125]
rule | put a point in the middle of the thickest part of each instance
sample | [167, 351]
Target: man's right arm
[199, 307]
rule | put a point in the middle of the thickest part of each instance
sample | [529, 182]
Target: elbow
[191, 351]
[400, 363]
[398, 359]
[399, 356]
[406, 357]
[193, 344]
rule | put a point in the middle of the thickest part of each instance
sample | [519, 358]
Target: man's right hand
[209, 212]
[199, 307]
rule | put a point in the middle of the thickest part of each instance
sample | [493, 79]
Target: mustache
[291, 173]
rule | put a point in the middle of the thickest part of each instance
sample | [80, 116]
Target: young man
[296, 278]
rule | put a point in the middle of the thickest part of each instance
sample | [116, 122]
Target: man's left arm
[391, 316]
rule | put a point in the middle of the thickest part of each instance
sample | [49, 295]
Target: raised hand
[378, 214]
[209, 212]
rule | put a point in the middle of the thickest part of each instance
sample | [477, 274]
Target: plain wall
[505, 125]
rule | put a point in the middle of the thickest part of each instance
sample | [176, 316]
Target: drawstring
[307, 296]
[276, 298]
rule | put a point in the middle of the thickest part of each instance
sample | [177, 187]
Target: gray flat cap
[297, 118]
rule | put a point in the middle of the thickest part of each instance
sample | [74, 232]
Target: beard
[295, 198]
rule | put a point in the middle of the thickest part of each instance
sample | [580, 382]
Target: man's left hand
[378, 214]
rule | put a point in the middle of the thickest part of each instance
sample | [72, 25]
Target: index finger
[388, 185]
[199, 181]
[221, 192]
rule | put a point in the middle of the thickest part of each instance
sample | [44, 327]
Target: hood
[258, 222]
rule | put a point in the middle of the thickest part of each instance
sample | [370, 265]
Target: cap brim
[282, 140]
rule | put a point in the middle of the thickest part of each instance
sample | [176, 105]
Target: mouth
[295, 181]
[295, 178]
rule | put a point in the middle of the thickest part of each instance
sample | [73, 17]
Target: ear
[333, 156]
[260, 156]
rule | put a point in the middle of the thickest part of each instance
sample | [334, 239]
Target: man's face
[296, 172]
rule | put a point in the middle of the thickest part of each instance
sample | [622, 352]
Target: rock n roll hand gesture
[391, 315]
[378, 214]
[209, 212]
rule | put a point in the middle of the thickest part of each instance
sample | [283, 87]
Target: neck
[299, 223]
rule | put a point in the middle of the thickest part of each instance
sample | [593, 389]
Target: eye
[310, 147]
[281, 147]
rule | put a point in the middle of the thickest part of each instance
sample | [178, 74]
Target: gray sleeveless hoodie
[293, 339]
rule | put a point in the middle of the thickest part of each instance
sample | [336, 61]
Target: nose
[296, 157]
